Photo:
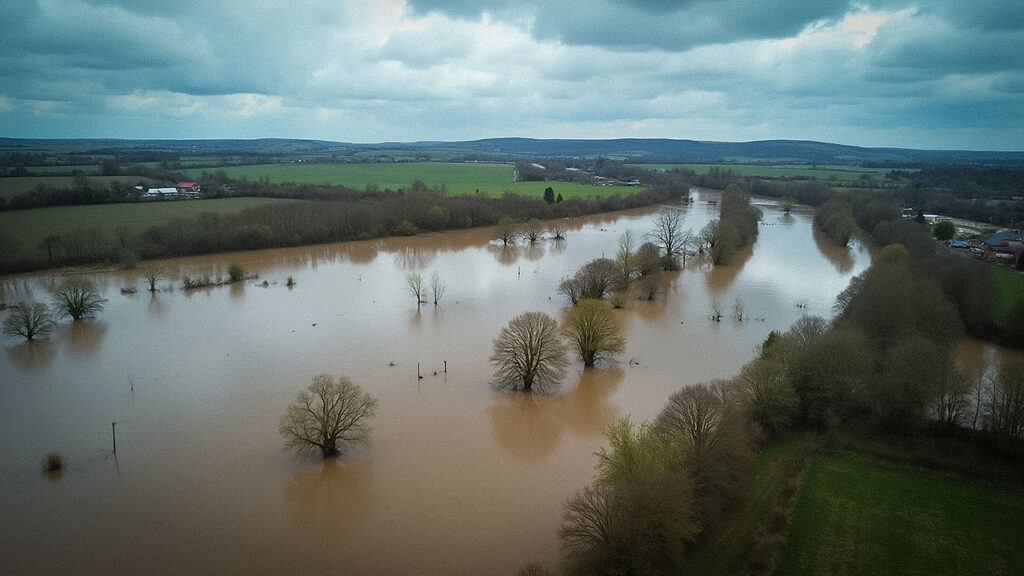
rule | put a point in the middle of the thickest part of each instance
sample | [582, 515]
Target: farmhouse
[190, 189]
[1005, 246]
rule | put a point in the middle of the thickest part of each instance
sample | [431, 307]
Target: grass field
[819, 172]
[859, 515]
[29, 227]
[457, 178]
[1010, 285]
[19, 184]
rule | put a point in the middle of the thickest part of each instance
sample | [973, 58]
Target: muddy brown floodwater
[458, 479]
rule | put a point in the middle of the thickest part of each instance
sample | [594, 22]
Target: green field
[859, 515]
[1010, 285]
[456, 178]
[818, 172]
[29, 227]
[10, 187]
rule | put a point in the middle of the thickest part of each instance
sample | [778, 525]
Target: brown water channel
[459, 479]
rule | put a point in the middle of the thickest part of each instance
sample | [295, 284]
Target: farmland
[1010, 285]
[12, 186]
[796, 171]
[859, 515]
[456, 178]
[29, 227]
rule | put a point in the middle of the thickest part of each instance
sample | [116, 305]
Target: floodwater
[458, 478]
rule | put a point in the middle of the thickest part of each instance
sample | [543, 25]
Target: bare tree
[529, 352]
[558, 230]
[593, 330]
[437, 286]
[738, 309]
[414, 281]
[716, 309]
[532, 230]
[668, 233]
[625, 258]
[152, 276]
[28, 320]
[78, 298]
[596, 279]
[327, 416]
[507, 231]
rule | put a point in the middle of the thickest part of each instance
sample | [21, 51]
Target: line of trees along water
[332, 213]
[883, 367]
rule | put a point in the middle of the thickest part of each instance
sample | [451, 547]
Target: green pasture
[808, 171]
[29, 227]
[456, 178]
[1010, 286]
[85, 169]
[10, 187]
[859, 515]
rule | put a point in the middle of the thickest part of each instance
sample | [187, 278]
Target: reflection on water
[719, 278]
[82, 338]
[458, 479]
[32, 356]
[331, 498]
[529, 426]
[839, 256]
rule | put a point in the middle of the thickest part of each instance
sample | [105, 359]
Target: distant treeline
[331, 214]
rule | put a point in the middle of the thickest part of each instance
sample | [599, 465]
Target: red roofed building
[189, 188]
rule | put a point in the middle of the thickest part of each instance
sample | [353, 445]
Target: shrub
[53, 462]
[236, 273]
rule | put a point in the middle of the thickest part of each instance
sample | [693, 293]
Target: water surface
[459, 478]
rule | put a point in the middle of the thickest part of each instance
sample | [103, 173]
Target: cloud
[871, 73]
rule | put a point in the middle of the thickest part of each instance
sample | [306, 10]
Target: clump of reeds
[53, 462]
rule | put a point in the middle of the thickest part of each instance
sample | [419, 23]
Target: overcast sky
[942, 74]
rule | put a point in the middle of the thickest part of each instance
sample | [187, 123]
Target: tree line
[882, 367]
[333, 213]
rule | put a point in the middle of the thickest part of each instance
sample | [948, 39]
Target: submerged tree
[668, 233]
[28, 320]
[152, 275]
[507, 231]
[437, 286]
[593, 330]
[414, 282]
[327, 416]
[78, 298]
[529, 352]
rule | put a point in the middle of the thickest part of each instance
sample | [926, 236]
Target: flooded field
[458, 478]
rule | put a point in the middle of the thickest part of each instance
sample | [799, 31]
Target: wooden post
[113, 433]
[445, 366]
[418, 375]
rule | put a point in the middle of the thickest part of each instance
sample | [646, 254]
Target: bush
[236, 273]
[53, 462]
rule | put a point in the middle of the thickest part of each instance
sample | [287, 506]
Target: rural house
[1005, 246]
[189, 189]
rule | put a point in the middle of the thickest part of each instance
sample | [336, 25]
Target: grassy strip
[1010, 285]
[29, 227]
[456, 178]
[819, 172]
[859, 515]
[740, 542]
[10, 187]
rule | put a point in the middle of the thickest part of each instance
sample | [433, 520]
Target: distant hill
[627, 149]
